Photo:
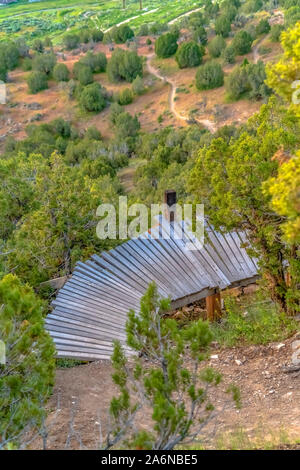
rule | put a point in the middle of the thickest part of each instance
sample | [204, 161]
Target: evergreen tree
[189, 54]
[285, 194]
[92, 98]
[124, 65]
[228, 178]
[166, 45]
[223, 26]
[209, 75]
[242, 43]
[216, 46]
[180, 398]
[27, 376]
[61, 73]
[37, 81]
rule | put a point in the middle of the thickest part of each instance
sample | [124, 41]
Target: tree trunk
[141, 4]
[124, 4]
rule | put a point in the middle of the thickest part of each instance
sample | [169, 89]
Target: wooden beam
[213, 306]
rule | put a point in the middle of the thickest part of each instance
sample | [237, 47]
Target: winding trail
[130, 19]
[188, 13]
[208, 124]
[256, 55]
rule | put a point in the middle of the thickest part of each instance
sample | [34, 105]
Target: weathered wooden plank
[148, 263]
[130, 256]
[91, 310]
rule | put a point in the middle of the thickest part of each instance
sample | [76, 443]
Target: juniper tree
[171, 383]
[228, 178]
[27, 376]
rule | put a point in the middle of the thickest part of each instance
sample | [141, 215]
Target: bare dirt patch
[270, 397]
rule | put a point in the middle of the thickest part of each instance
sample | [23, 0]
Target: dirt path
[188, 13]
[126, 175]
[256, 55]
[171, 100]
[270, 397]
[130, 19]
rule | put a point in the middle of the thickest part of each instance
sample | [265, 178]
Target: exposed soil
[171, 97]
[270, 398]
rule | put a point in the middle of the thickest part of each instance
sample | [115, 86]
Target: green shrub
[37, 81]
[237, 83]
[27, 64]
[71, 41]
[144, 30]
[83, 73]
[48, 43]
[3, 73]
[124, 65]
[223, 26]
[121, 34]
[209, 75]
[276, 31]
[84, 36]
[61, 73]
[248, 78]
[138, 87]
[166, 45]
[125, 97]
[189, 54]
[252, 6]
[200, 35]
[44, 63]
[242, 43]
[126, 125]
[180, 398]
[216, 46]
[38, 45]
[228, 55]
[114, 112]
[23, 47]
[27, 377]
[9, 55]
[92, 133]
[263, 27]
[252, 322]
[92, 98]
[96, 35]
[96, 62]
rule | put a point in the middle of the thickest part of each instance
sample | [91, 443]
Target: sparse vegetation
[254, 320]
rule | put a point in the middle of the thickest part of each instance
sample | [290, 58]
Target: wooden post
[213, 306]
[170, 199]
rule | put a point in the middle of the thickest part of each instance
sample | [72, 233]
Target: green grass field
[54, 18]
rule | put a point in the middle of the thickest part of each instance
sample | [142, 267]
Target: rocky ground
[270, 390]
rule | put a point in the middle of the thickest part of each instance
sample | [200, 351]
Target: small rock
[34, 106]
[280, 345]
[295, 345]
[214, 356]
[296, 353]
[238, 362]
